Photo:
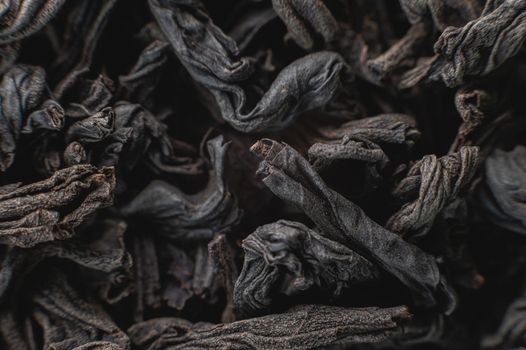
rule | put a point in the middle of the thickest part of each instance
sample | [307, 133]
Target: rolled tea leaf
[288, 258]
[475, 49]
[302, 327]
[21, 18]
[302, 17]
[94, 128]
[436, 182]
[363, 140]
[50, 209]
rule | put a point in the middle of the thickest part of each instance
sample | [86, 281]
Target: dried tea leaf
[304, 17]
[363, 140]
[477, 48]
[190, 217]
[303, 327]
[288, 258]
[21, 18]
[92, 129]
[50, 209]
[69, 322]
[212, 59]
[402, 50]
[23, 90]
[435, 182]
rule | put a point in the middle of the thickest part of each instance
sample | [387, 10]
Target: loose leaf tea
[262, 174]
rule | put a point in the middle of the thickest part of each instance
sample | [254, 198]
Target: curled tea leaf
[212, 60]
[22, 92]
[363, 140]
[198, 216]
[93, 128]
[50, 117]
[50, 209]
[21, 18]
[287, 257]
[302, 17]
[475, 49]
[435, 182]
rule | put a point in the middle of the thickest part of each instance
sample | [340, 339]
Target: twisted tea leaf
[50, 117]
[363, 139]
[92, 129]
[289, 258]
[50, 209]
[147, 141]
[307, 83]
[181, 218]
[185, 217]
[403, 49]
[475, 105]
[205, 274]
[181, 272]
[436, 182]
[504, 29]
[210, 56]
[303, 17]
[21, 18]
[92, 97]
[105, 257]
[166, 276]
[477, 48]
[303, 327]
[140, 127]
[23, 90]
[102, 259]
